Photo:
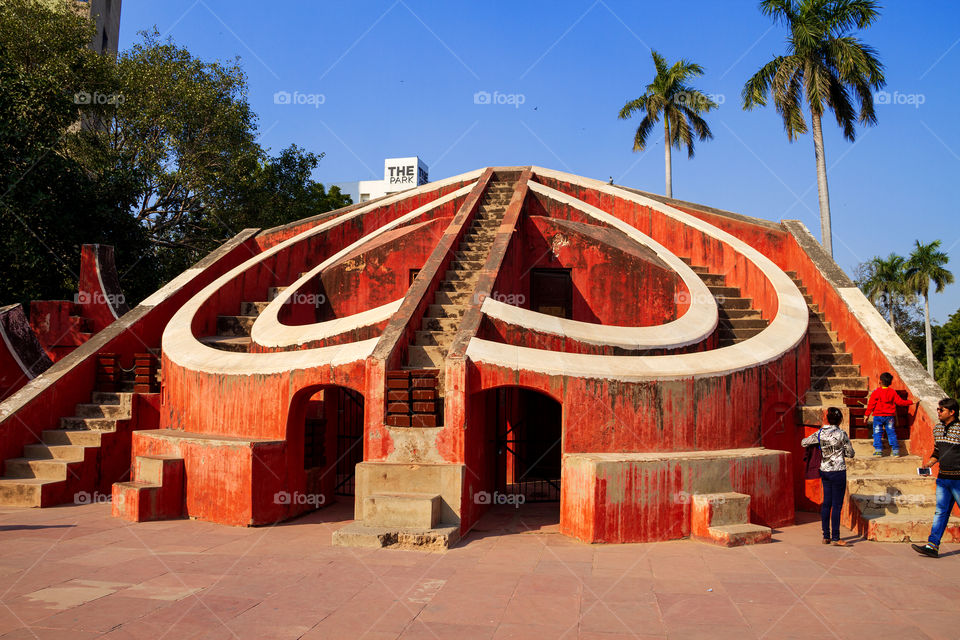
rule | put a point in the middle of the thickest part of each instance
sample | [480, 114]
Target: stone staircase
[233, 332]
[738, 319]
[887, 501]
[440, 323]
[67, 461]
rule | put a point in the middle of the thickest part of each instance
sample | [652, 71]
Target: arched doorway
[327, 439]
[528, 444]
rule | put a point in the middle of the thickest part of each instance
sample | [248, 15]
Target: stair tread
[36, 481]
[745, 527]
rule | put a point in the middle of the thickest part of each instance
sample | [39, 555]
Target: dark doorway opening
[348, 408]
[528, 444]
[551, 292]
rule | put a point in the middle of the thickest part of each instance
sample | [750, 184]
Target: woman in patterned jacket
[835, 446]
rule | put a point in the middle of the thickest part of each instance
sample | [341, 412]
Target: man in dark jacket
[946, 453]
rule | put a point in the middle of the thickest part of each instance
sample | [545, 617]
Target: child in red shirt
[882, 406]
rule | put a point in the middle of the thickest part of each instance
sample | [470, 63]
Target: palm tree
[926, 264]
[824, 67]
[885, 284]
[680, 106]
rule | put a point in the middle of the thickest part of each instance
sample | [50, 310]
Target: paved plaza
[75, 572]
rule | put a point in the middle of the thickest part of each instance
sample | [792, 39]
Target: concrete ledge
[443, 480]
[404, 510]
[646, 497]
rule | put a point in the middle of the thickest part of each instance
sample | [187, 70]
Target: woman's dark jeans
[834, 488]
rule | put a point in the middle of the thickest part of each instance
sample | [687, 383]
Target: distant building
[399, 174]
[106, 15]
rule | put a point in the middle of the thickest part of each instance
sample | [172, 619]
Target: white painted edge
[96, 258]
[185, 350]
[696, 325]
[269, 332]
[785, 331]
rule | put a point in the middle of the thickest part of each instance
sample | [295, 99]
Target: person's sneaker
[839, 543]
[895, 453]
[926, 549]
[826, 541]
[877, 453]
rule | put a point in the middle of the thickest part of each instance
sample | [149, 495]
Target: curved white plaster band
[784, 333]
[185, 350]
[269, 332]
[699, 321]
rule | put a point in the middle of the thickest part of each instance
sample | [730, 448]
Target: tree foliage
[166, 167]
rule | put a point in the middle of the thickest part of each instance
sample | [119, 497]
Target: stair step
[440, 324]
[821, 335]
[869, 464]
[433, 339]
[112, 397]
[739, 314]
[240, 344]
[724, 292]
[93, 424]
[445, 311]
[252, 308]
[425, 357]
[458, 285]
[891, 484]
[30, 492]
[823, 399]
[78, 437]
[831, 383]
[16, 468]
[745, 323]
[468, 265]
[68, 452]
[885, 504]
[735, 535]
[907, 528]
[113, 411]
[835, 370]
[863, 447]
[456, 298]
[713, 279]
[235, 325]
[736, 303]
[830, 358]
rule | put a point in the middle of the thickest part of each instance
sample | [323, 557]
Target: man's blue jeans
[881, 423]
[948, 494]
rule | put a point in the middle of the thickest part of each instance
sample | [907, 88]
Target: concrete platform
[75, 572]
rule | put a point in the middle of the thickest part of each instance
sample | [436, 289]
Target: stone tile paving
[74, 572]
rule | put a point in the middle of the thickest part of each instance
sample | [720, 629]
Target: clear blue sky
[398, 78]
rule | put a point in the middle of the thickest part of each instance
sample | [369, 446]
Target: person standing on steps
[946, 453]
[834, 446]
[882, 406]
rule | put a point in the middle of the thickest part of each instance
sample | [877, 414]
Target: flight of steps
[724, 519]
[66, 460]
[440, 323]
[887, 501]
[738, 320]
[835, 380]
[233, 332]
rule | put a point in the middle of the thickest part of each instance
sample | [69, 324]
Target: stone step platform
[402, 510]
[156, 493]
[868, 464]
[835, 370]
[724, 292]
[358, 534]
[877, 484]
[723, 519]
[425, 356]
[32, 492]
[433, 339]
[75, 437]
[445, 311]
[864, 447]
[738, 314]
[235, 325]
[822, 358]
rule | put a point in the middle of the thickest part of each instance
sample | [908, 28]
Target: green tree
[49, 204]
[824, 68]
[885, 286]
[680, 105]
[927, 264]
[948, 376]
